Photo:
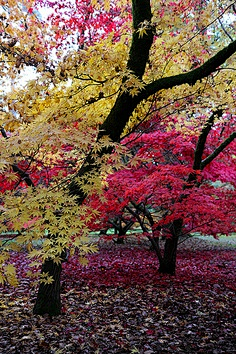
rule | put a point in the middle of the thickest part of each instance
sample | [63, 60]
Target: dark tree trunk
[48, 298]
[120, 240]
[121, 237]
[168, 262]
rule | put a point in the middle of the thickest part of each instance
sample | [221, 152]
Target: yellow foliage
[8, 274]
[84, 261]
[46, 278]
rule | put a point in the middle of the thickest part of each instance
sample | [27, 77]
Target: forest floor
[120, 304]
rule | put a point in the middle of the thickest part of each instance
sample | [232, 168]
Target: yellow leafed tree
[67, 100]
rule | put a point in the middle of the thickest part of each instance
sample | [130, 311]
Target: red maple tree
[183, 183]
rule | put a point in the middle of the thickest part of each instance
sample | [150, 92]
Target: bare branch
[223, 28]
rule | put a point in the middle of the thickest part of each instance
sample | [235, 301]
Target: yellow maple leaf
[84, 261]
[9, 269]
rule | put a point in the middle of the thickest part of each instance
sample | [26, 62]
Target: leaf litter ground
[120, 304]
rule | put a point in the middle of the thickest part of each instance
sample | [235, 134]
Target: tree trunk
[120, 238]
[168, 262]
[48, 297]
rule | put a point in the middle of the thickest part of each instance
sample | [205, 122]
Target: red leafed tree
[183, 183]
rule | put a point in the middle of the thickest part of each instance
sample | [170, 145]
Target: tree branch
[202, 139]
[24, 58]
[217, 151]
[23, 175]
[125, 104]
[223, 28]
[3, 132]
[192, 76]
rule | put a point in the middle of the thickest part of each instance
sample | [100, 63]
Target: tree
[80, 104]
[179, 182]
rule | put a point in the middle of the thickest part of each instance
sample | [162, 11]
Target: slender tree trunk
[48, 297]
[168, 262]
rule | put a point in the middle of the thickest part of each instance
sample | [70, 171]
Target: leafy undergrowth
[120, 304]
